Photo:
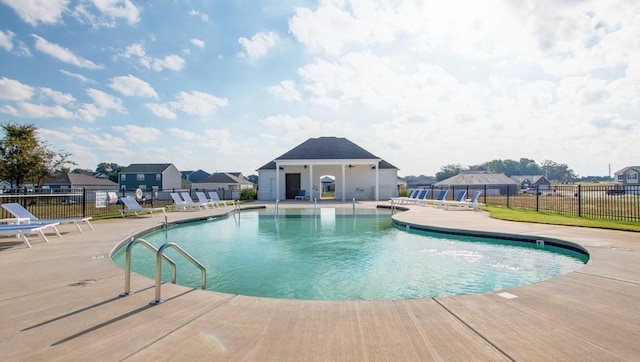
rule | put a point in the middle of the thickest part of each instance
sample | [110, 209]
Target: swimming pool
[332, 254]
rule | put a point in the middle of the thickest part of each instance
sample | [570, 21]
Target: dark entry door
[292, 185]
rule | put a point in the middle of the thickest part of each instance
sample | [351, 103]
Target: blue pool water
[330, 254]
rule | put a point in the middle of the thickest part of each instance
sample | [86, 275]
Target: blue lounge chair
[459, 198]
[471, 204]
[421, 196]
[302, 195]
[441, 196]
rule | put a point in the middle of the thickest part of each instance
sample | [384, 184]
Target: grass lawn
[504, 213]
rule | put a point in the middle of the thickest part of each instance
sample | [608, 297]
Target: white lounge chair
[202, 198]
[21, 230]
[472, 203]
[422, 195]
[216, 199]
[23, 214]
[441, 196]
[181, 204]
[459, 198]
[133, 206]
[187, 198]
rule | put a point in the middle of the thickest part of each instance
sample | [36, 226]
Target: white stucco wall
[171, 178]
[360, 182]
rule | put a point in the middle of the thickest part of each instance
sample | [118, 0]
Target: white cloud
[56, 96]
[170, 62]
[197, 42]
[35, 12]
[31, 110]
[6, 40]
[199, 104]
[77, 76]
[138, 134]
[102, 104]
[63, 54]
[161, 110]
[258, 46]
[14, 90]
[286, 90]
[132, 86]
[53, 135]
[106, 13]
[203, 16]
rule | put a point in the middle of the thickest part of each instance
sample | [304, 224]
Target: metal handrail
[159, 256]
[127, 264]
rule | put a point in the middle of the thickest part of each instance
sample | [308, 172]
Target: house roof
[478, 178]
[78, 179]
[531, 178]
[195, 176]
[146, 168]
[635, 168]
[327, 148]
[225, 178]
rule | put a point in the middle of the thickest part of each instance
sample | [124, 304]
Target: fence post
[537, 198]
[84, 202]
[508, 193]
[579, 200]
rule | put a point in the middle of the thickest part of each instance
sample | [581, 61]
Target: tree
[447, 171]
[558, 171]
[24, 158]
[110, 169]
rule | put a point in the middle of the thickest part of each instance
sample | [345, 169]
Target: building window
[142, 187]
[140, 177]
[620, 178]
[158, 177]
[123, 177]
[632, 176]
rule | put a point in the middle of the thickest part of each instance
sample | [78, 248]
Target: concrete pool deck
[59, 301]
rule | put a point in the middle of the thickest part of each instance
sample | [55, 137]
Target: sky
[227, 86]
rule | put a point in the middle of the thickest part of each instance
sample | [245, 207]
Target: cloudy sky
[230, 85]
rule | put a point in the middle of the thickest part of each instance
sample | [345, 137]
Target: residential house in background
[628, 176]
[224, 181]
[539, 182]
[150, 176]
[489, 183]
[189, 177]
[64, 182]
[358, 174]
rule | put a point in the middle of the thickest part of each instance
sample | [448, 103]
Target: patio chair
[21, 230]
[187, 198]
[302, 195]
[420, 197]
[202, 198]
[133, 206]
[459, 198]
[216, 199]
[441, 196]
[24, 215]
[180, 204]
[471, 204]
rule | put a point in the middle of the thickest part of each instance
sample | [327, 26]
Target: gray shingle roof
[78, 180]
[478, 178]
[146, 168]
[327, 148]
[225, 178]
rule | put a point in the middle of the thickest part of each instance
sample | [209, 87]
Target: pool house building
[358, 174]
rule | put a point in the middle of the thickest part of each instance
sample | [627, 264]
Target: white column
[377, 196]
[311, 196]
[344, 182]
[277, 181]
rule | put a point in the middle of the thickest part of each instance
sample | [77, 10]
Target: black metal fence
[605, 202]
[81, 202]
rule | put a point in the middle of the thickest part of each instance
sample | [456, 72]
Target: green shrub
[248, 194]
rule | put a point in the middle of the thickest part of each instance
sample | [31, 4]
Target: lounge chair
[401, 200]
[187, 198]
[216, 199]
[133, 206]
[472, 203]
[302, 195]
[441, 196]
[181, 204]
[422, 196]
[23, 214]
[202, 198]
[21, 230]
[459, 198]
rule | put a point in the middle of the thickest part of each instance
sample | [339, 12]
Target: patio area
[60, 302]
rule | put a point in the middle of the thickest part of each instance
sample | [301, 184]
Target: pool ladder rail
[159, 257]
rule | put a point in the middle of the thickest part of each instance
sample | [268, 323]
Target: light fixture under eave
[305, 167]
[351, 166]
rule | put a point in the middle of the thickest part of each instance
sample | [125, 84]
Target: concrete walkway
[59, 301]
